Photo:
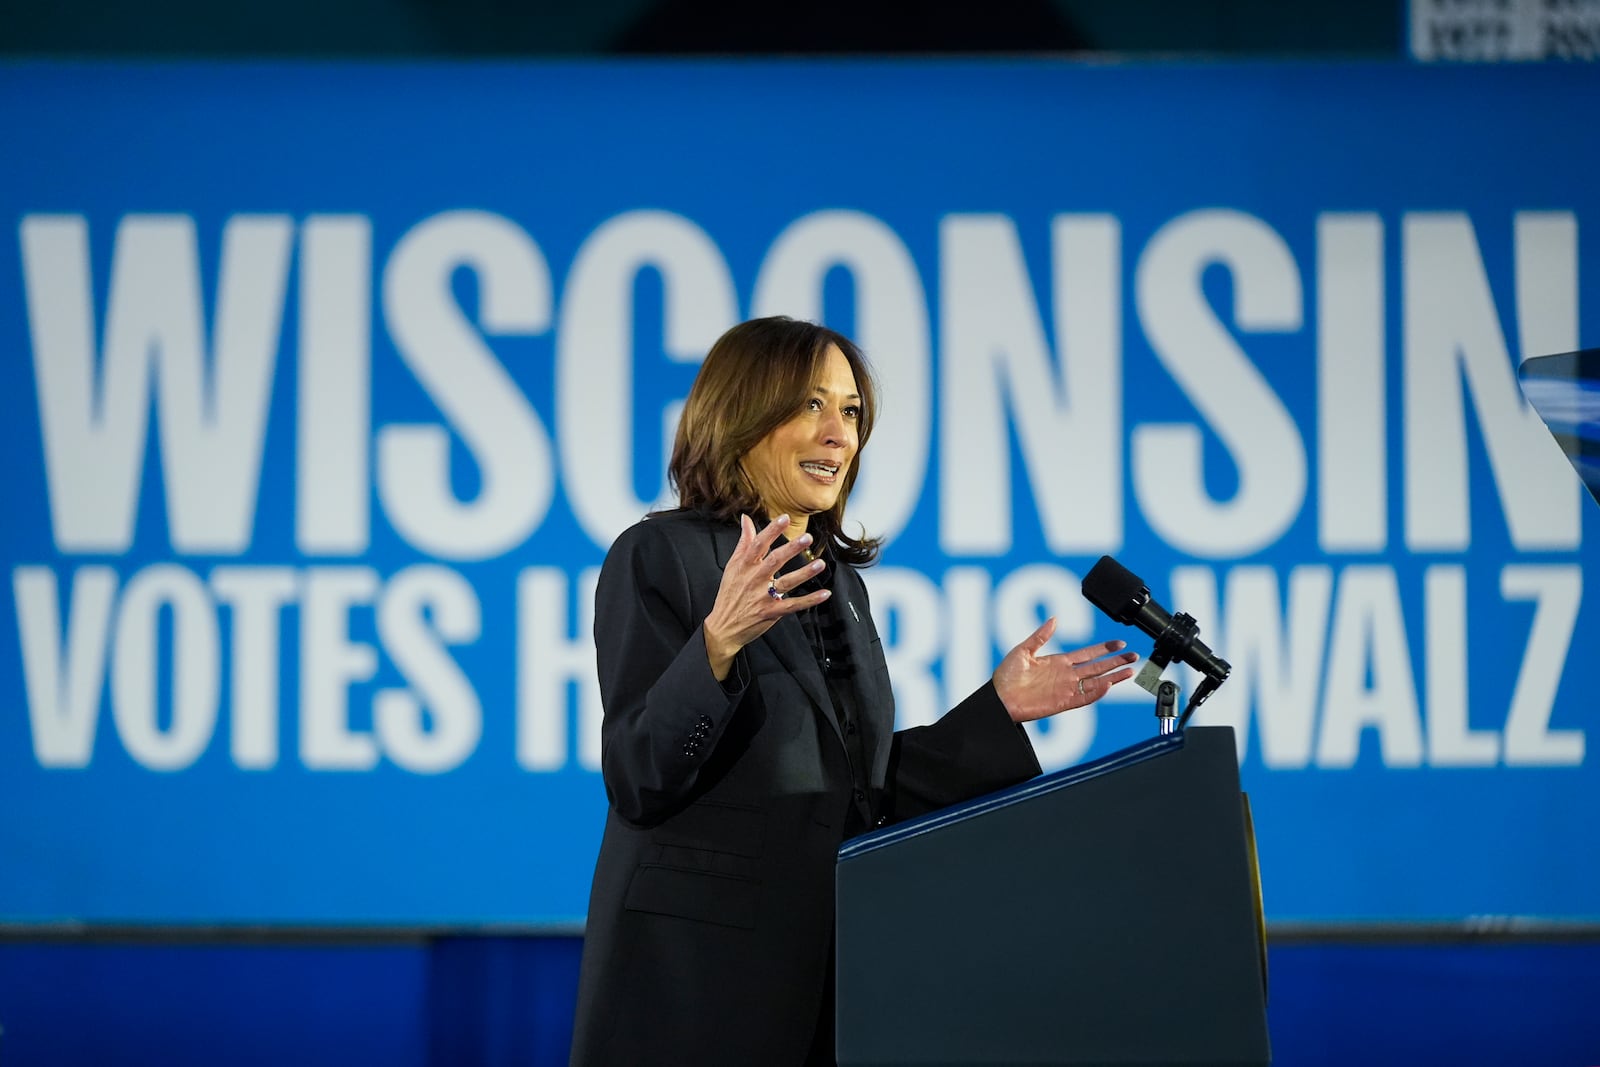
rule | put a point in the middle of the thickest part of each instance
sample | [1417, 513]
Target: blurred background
[338, 339]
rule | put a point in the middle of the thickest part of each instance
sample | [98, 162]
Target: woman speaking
[749, 723]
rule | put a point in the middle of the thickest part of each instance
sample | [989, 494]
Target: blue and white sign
[326, 387]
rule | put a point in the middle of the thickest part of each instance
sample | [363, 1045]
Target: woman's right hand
[746, 607]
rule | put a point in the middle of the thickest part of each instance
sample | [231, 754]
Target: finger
[787, 583]
[779, 557]
[746, 550]
[769, 533]
[1094, 652]
[1095, 688]
[790, 605]
[1100, 668]
[1036, 640]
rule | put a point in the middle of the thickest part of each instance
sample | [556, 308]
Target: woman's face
[799, 468]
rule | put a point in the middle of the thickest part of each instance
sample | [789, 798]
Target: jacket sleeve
[973, 749]
[663, 708]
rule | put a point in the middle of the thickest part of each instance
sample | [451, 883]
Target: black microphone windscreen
[1114, 589]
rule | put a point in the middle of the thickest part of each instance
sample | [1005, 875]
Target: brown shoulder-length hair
[755, 378]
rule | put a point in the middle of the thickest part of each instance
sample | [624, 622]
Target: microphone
[1124, 597]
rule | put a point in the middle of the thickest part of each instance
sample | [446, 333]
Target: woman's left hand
[1032, 686]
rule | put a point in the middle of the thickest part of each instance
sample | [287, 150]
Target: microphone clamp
[1172, 643]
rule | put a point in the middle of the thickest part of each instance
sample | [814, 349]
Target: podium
[1100, 915]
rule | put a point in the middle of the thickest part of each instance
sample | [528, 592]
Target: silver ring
[1080, 687]
[772, 591]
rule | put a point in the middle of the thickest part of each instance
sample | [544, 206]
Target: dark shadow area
[880, 27]
[464, 29]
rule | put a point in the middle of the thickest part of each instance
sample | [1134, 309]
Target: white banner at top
[1498, 31]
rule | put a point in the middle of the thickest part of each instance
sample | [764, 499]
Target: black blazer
[711, 914]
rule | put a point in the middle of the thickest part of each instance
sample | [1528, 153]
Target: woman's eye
[814, 404]
[852, 412]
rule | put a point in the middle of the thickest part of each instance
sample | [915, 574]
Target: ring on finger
[1080, 687]
[772, 591]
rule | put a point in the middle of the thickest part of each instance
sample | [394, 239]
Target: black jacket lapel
[876, 699]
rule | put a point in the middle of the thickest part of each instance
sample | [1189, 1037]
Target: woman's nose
[832, 428]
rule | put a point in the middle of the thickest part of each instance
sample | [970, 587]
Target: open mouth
[825, 471]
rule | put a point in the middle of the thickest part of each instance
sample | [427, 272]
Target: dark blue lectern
[1105, 914]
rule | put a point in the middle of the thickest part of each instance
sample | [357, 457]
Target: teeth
[820, 468]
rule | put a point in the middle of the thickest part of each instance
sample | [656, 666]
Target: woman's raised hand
[753, 595]
[1032, 686]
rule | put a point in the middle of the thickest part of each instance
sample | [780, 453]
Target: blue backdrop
[325, 387]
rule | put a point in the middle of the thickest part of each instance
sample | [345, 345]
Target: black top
[825, 632]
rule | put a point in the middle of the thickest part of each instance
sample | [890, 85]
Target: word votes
[429, 718]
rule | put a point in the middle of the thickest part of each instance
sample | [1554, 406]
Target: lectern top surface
[1045, 783]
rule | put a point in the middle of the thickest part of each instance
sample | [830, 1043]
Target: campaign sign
[325, 388]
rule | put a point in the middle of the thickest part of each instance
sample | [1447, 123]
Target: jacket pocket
[714, 827]
[705, 897]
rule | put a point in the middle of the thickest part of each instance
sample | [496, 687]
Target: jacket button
[860, 795]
